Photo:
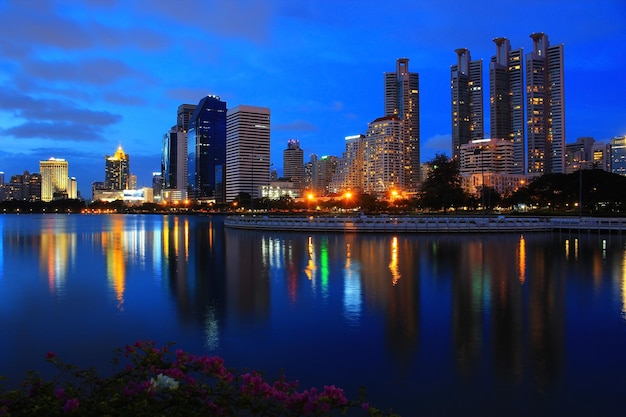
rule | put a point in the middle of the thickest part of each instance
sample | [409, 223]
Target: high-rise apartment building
[618, 155]
[117, 170]
[247, 151]
[54, 178]
[466, 79]
[506, 93]
[402, 100]
[207, 136]
[545, 107]
[383, 164]
[293, 163]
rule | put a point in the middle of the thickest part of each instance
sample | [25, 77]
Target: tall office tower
[157, 184]
[545, 107]
[383, 167]
[183, 116]
[349, 173]
[293, 163]
[466, 82]
[117, 169]
[54, 179]
[174, 163]
[506, 93]
[207, 136]
[402, 100]
[247, 151]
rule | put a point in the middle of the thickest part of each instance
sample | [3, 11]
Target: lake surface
[432, 325]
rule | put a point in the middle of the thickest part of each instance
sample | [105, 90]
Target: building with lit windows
[545, 107]
[349, 172]
[207, 138]
[54, 179]
[466, 79]
[618, 155]
[174, 163]
[117, 170]
[402, 101]
[489, 163]
[384, 157]
[247, 151]
[506, 98]
[293, 163]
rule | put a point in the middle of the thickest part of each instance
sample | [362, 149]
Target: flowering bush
[162, 382]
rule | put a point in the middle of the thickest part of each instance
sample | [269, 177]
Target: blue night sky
[79, 78]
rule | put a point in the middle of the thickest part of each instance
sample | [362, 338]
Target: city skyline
[81, 79]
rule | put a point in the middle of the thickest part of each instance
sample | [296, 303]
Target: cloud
[94, 71]
[78, 132]
[296, 125]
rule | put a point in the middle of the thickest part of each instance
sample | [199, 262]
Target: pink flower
[59, 393]
[50, 355]
[70, 405]
[365, 406]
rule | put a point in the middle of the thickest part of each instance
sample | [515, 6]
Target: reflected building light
[522, 259]
[211, 329]
[576, 249]
[311, 269]
[157, 253]
[186, 237]
[324, 266]
[54, 253]
[113, 245]
[393, 265]
[603, 248]
[352, 303]
[176, 253]
[567, 249]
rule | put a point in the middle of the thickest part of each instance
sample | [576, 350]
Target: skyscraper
[402, 100]
[54, 178]
[207, 136]
[174, 163]
[466, 79]
[247, 151]
[545, 107]
[183, 116]
[117, 170]
[293, 163]
[506, 75]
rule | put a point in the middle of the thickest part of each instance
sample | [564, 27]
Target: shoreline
[425, 224]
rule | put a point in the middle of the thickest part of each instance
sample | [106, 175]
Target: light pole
[479, 151]
[252, 159]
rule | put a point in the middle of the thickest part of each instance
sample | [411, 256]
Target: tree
[442, 187]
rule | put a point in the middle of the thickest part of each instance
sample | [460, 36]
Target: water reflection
[444, 315]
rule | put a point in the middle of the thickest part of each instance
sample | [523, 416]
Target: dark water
[432, 325]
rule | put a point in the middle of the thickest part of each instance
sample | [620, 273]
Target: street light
[479, 151]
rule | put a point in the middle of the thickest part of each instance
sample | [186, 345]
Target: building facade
[545, 107]
[293, 163]
[349, 173]
[207, 136]
[117, 170]
[247, 151]
[174, 163]
[384, 160]
[54, 179]
[506, 98]
[402, 101]
[466, 83]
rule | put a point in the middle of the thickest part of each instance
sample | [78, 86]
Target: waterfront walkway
[425, 224]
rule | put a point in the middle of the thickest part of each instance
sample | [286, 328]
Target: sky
[80, 78]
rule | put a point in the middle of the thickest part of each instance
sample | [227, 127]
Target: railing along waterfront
[470, 224]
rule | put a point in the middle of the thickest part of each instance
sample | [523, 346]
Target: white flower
[164, 382]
